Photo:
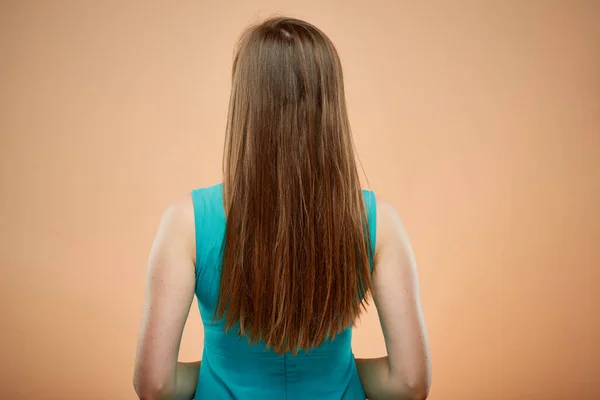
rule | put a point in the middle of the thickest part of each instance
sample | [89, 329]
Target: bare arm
[406, 371]
[169, 294]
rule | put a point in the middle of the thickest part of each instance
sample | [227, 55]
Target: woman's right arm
[406, 371]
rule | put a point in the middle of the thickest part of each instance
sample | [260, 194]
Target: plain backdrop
[479, 120]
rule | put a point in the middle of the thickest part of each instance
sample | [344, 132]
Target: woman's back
[283, 253]
[234, 368]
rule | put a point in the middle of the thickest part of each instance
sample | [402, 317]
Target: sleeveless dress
[232, 368]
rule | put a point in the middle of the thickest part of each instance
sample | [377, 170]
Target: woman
[282, 254]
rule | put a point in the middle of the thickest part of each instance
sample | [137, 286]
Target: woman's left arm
[169, 293]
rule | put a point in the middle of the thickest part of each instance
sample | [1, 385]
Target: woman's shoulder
[179, 214]
[177, 224]
[385, 208]
[180, 211]
[391, 233]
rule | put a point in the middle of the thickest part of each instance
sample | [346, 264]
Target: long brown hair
[296, 254]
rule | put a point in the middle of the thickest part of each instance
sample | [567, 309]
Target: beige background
[479, 120]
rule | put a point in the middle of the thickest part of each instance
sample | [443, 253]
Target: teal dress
[234, 369]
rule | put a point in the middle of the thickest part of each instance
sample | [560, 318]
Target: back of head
[296, 253]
